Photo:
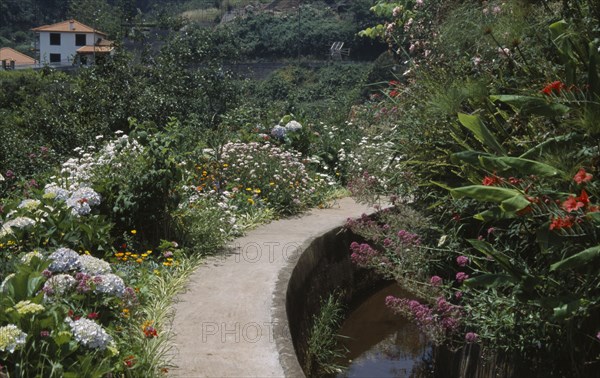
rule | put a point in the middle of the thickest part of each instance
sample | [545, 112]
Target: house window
[79, 39]
[54, 58]
[55, 39]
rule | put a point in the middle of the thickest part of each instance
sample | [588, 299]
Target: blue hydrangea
[56, 192]
[89, 334]
[278, 132]
[64, 260]
[110, 284]
[82, 200]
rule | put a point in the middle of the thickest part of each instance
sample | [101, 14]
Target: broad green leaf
[577, 259]
[481, 132]
[520, 165]
[514, 204]
[471, 157]
[495, 213]
[528, 105]
[509, 199]
[566, 309]
[490, 280]
[539, 149]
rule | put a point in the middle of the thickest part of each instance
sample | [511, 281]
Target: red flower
[558, 223]
[572, 204]
[491, 180]
[575, 203]
[554, 87]
[394, 83]
[582, 176]
[394, 93]
[129, 361]
[93, 315]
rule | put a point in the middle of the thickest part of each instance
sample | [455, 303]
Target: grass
[323, 349]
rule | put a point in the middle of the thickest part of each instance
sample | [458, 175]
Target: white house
[71, 42]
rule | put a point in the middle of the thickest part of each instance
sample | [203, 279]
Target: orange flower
[149, 330]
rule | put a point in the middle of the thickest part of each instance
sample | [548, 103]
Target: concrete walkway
[224, 322]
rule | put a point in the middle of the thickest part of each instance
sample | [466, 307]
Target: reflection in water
[382, 344]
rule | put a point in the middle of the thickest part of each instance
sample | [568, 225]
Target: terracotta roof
[94, 49]
[69, 26]
[6, 53]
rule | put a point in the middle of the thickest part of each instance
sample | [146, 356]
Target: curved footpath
[231, 320]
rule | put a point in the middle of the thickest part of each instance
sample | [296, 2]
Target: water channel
[382, 344]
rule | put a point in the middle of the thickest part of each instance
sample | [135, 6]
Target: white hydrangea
[64, 260]
[59, 284]
[19, 222]
[29, 204]
[11, 338]
[110, 284]
[293, 126]
[26, 259]
[93, 266]
[89, 334]
[28, 307]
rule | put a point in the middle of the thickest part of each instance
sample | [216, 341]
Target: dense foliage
[492, 131]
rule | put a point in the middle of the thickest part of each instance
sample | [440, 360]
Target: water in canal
[381, 344]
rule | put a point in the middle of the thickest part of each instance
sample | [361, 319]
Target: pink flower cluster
[436, 321]
[366, 257]
[408, 239]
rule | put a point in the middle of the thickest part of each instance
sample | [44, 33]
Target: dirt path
[224, 322]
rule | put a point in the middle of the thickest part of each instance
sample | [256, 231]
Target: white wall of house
[67, 48]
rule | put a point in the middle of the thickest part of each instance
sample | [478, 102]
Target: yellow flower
[149, 251]
[157, 272]
[125, 312]
[139, 261]
[125, 259]
[144, 255]
[127, 253]
[225, 165]
[119, 254]
[133, 232]
[257, 190]
[272, 183]
[87, 252]
[250, 201]
[166, 263]
[135, 256]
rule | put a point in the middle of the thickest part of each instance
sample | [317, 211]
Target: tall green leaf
[577, 259]
[520, 165]
[481, 132]
[527, 105]
[509, 199]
